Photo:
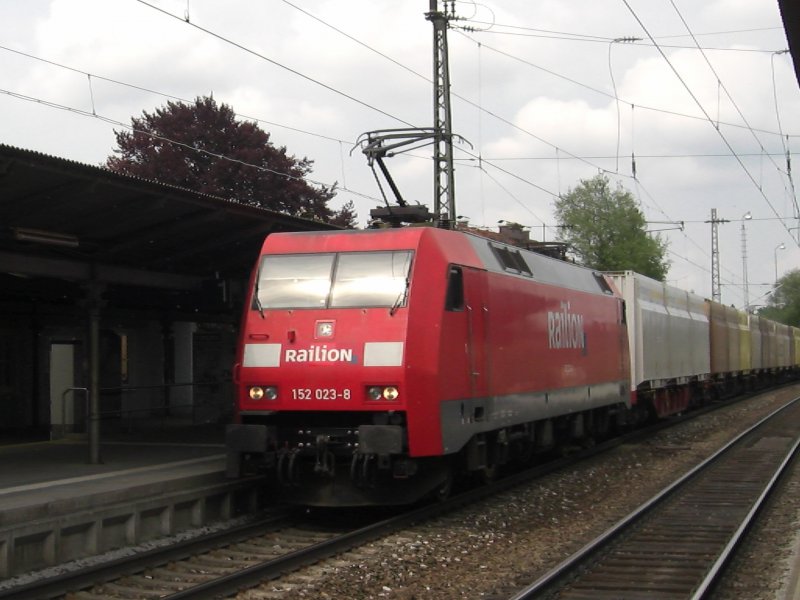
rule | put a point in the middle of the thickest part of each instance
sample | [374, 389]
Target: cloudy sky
[544, 92]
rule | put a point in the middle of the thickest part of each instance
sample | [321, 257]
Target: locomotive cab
[322, 388]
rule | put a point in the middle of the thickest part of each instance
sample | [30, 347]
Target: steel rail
[716, 570]
[99, 573]
[249, 577]
[549, 582]
[70, 581]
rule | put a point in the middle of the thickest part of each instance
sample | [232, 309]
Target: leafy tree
[783, 304]
[346, 216]
[202, 147]
[606, 230]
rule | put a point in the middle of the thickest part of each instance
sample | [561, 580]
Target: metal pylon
[716, 291]
[443, 176]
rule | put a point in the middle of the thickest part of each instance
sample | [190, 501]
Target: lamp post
[745, 217]
[780, 246]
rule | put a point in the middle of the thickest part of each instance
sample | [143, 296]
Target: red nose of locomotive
[326, 332]
[296, 361]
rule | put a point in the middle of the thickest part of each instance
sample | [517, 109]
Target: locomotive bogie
[463, 419]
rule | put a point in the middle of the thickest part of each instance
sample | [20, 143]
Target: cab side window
[455, 289]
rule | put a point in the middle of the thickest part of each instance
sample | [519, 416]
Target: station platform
[56, 507]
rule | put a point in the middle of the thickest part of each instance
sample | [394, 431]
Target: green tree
[203, 147]
[606, 230]
[783, 303]
[346, 216]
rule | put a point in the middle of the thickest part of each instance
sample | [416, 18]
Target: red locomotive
[375, 365]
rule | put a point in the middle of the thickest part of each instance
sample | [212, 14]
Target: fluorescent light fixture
[40, 236]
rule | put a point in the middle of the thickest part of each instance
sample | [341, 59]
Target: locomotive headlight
[377, 393]
[263, 393]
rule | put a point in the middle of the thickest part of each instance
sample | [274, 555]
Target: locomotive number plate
[320, 394]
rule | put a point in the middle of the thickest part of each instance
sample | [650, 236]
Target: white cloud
[138, 45]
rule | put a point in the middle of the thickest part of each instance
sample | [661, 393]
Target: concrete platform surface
[26, 464]
[56, 507]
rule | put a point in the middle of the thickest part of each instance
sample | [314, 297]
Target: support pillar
[168, 345]
[94, 302]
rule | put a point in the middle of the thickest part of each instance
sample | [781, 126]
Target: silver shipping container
[668, 331]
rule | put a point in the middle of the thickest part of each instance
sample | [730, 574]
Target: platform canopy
[64, 223]
[790, 12]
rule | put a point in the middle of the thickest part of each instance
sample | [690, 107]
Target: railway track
[84, 578]
[223, 563]
[677, 544]
[226, 562]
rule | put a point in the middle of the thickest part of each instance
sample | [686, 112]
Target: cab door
[477, 311]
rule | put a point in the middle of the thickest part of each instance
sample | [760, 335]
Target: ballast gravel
[490, 549]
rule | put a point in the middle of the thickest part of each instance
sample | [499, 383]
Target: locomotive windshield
[345, 280]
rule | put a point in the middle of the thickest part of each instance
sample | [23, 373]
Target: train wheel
[488, 474]
[525, 453]
[442, 493]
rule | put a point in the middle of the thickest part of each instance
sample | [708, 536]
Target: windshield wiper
[401, 298]
[257, 301]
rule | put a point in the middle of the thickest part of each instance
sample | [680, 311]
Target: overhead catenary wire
[428, 79]
[351, 142]
[608, 39]
[170, 96]
[165, 94]
[560, 156]
[730, 97]
[703, 110]
[479, 105]
[605, 93]
[116, 123]
[577, 37]
[641, 187]
[240, 46]
[784, 143]
[620, 40]
[643, 107]
[482, 159]
[611, 156]
[244, 48]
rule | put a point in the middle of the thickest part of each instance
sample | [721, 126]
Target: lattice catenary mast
[716, 292]
[384, 143]
[443, 175]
